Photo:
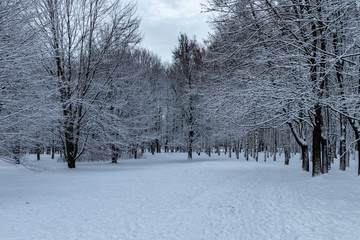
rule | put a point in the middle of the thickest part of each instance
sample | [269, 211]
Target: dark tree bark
[325, 156]
[316, 156]
[342, 146]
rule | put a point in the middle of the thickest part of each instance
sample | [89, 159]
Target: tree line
[273, 77]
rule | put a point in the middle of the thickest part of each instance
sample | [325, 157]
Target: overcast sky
[163, 20]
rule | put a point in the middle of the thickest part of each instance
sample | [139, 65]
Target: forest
[275, 76]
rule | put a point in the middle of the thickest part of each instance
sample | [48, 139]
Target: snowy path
[167, 197]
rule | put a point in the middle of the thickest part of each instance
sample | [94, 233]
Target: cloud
[163, 20]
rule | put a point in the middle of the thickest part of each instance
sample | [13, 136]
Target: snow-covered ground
[167, 197]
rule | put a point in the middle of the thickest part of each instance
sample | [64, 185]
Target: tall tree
[185, 69]
[78, 35]
[23, 93]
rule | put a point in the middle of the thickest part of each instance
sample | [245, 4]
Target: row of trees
[73, 80]
[275, 76]
[294, 63]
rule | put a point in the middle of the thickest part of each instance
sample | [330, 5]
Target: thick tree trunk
[316, 151]
[305, 158]
[115, 154]
[71, 162]
[114, 160]
[70, 151]
[158, 146]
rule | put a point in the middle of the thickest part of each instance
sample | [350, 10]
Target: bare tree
[78, 35]
[185, 70]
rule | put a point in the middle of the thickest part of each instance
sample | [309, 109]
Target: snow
[167, 197]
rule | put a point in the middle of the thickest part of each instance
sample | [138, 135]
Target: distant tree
[187, 61]
[132, 117]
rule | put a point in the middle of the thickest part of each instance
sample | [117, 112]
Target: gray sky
[163, 20]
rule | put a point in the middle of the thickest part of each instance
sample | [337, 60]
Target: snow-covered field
[167, 197]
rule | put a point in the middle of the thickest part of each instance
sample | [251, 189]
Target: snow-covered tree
[283, 58]
[23, 91]
[184, 76]
[77, 36]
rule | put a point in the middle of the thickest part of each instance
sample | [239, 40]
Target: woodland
[274, 77]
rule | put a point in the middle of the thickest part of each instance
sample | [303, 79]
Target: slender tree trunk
[237, 149]
[325, 155]
[287, 154]
[256, 147]
[208, 151]
[190, 143]
[38, 153]
[158, 146]
[53, 150]
[358, 150]
[265, 154]
[230, 150]
[355, 126]
[342, 146]
[275, 146]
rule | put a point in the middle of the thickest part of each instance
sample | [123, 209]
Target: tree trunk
[38, 154]
[287, 155]
[114, 154]
[275, 145]
[71, 162]
[152, 149]
[158, 146]
[225, 147]
[305, 158]
[53, 151]
[256, 147]
[303, 146]
[190, 143]
[358, 149]
[355, 126]
[342, 146]
[70, 151]
[237, 149]
[316, 151]
[265, 154]
[325, 156]
[230, 149]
